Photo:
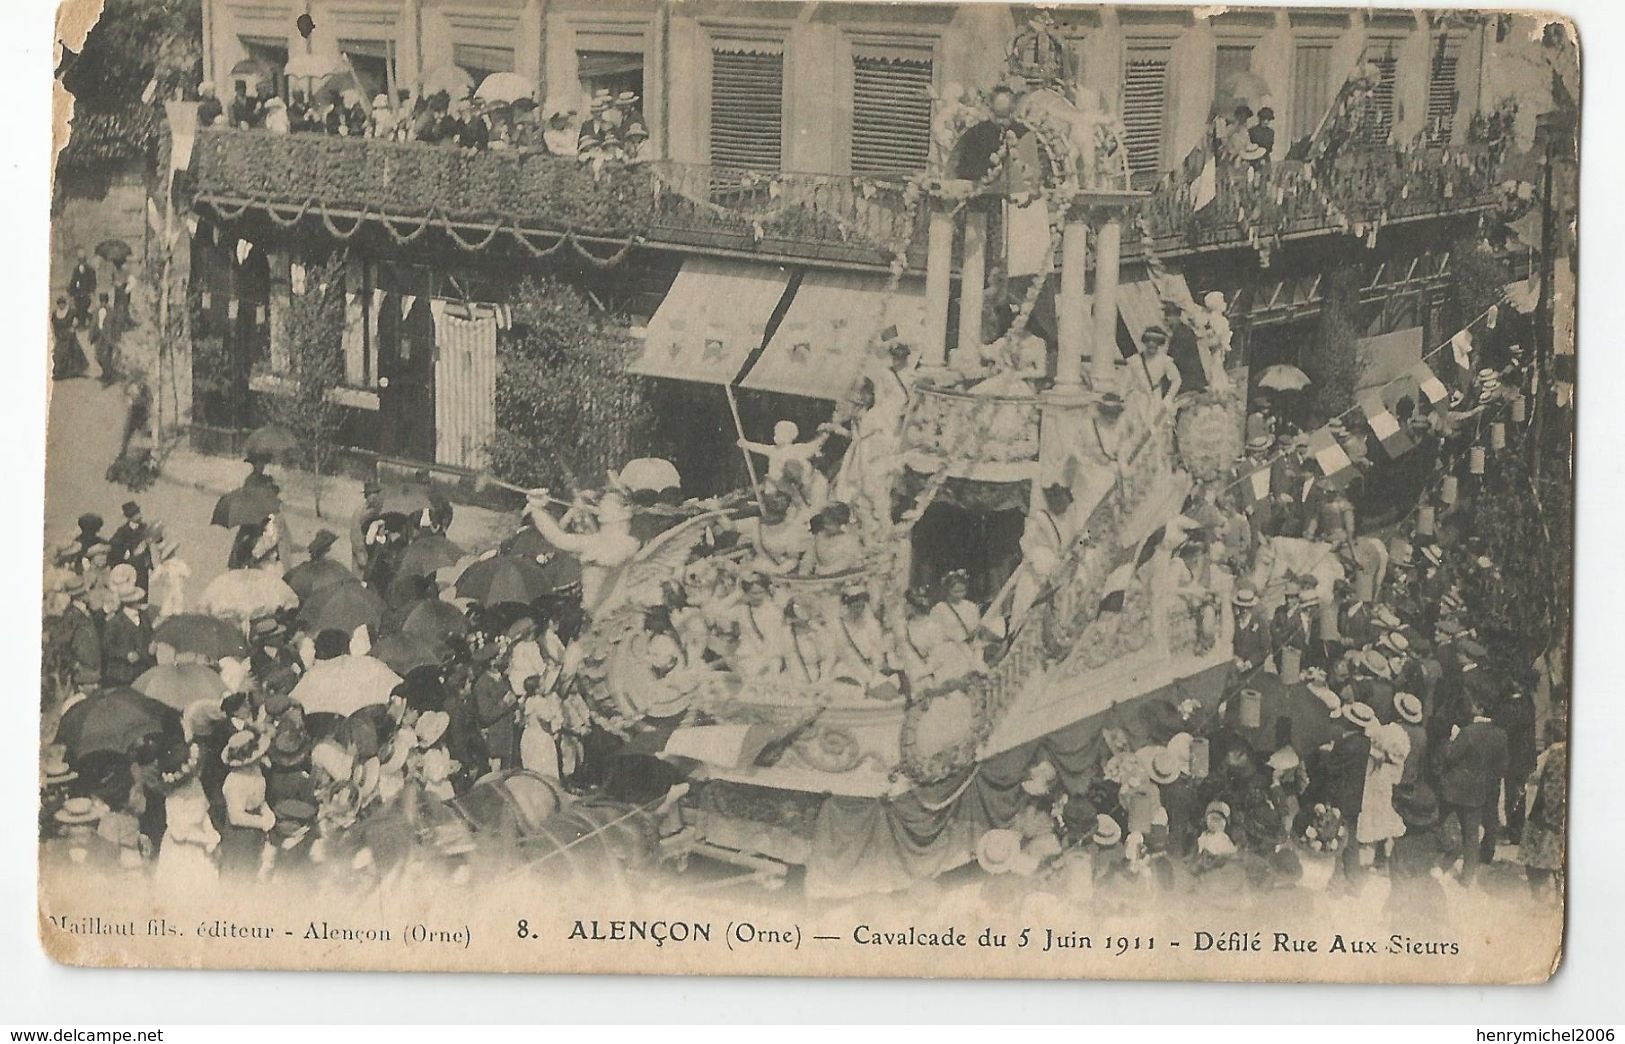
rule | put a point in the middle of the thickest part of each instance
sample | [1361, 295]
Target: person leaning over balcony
[383, 118]
[209, 110]
[559, 134]
[1262, 134]
[276, 117]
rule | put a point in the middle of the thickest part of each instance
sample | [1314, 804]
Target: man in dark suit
[1252, 636]
[82, 637]
[1345, 769]
[131, 542]
[1473, 765]
[126, 639]
[1297, 624]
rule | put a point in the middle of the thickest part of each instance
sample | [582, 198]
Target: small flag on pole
[1385, 426]
[296, 277]
[1430, 384]
[1206, 188]
[407, 301]
[244, 248]
[231, 308]
[1329, 454]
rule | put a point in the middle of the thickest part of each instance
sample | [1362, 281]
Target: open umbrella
[1284, 377]
[253, 71]
[504, 578]
[505, 87]
[561, 569]
[179, 685]
[198, 634]
[272, 440]
[344, 685]
[650, 474]
[115, 251]
[307, 578]
[402, 652]
[112, 720]
[246, 593]
[246, 506]
[453, 79]
[435, 619]
[428, 553]
[343, 607]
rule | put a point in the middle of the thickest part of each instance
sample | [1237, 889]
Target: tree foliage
[1478, 279]
[314, 332]
[1332, 357]
[134, 43]
[566, 410]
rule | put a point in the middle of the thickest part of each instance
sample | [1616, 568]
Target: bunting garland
[1331, 458]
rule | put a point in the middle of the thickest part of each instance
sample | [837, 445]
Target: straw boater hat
[246, 747]
[1395, 642]
[626, 98]
[854, 592]
[131, 595]
[1408, 707]
[600, 100]
[80, 811]
[999, 851]
[54, 767]
[1359, 715]
[1107, 831]
[1219, 808]
[1245, 597]
[1165, 767]
[1386, 617]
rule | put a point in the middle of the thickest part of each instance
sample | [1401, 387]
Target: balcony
[497, 198]
[1363, 189]
[987, 437]
[408, 183]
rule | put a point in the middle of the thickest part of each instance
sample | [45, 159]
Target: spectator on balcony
[242, 106]
[474, 126]
[524, 125]
[383, 118]
[634, 129]
[276, 117]
[209, 109]
[598, 132]
[355, 115]
[299, 114]
[1241, 125]
[1262, 135]
[559, 133]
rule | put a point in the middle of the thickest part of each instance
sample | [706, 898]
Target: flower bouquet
[1322, 835]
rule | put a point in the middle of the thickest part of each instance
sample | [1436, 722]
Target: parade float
[873, 778]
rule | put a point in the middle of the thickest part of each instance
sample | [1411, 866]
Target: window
[612, 71]
[267, 56]
[1311, 86]
[370, 60]
[1233, 78]
[1145, 105]
[1379, 107]
[480, 61]
[747, 108]
[891, 114]
[1442, 93]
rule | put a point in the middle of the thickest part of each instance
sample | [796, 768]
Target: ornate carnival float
[779, 649]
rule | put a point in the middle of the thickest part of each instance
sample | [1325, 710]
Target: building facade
[788, 146]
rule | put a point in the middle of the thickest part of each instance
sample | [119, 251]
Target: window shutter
[747, 109]
[891, 114]
[1379, 108]
[1145, 103]
[1442, 97]
[1311, 70]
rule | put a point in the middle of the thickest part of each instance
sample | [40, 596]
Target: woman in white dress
[1378, 822]
[186, 855]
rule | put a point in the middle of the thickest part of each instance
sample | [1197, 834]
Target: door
[406, 342]
[465, 387]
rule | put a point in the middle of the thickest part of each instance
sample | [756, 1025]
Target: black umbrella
[116, 251]
[343, 607]
[113, 719]
[246, 506]
[269, 442]
[503, 578]
[428, 553]
[435, 619]
[307, 578]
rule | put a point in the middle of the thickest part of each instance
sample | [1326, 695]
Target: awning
[713, 317]
[1524, 295]
[1139, 300]
[818, 350]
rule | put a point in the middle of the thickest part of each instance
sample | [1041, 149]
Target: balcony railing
[528, 191]
[972, 430]
[836, 218]
[1362, 188]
